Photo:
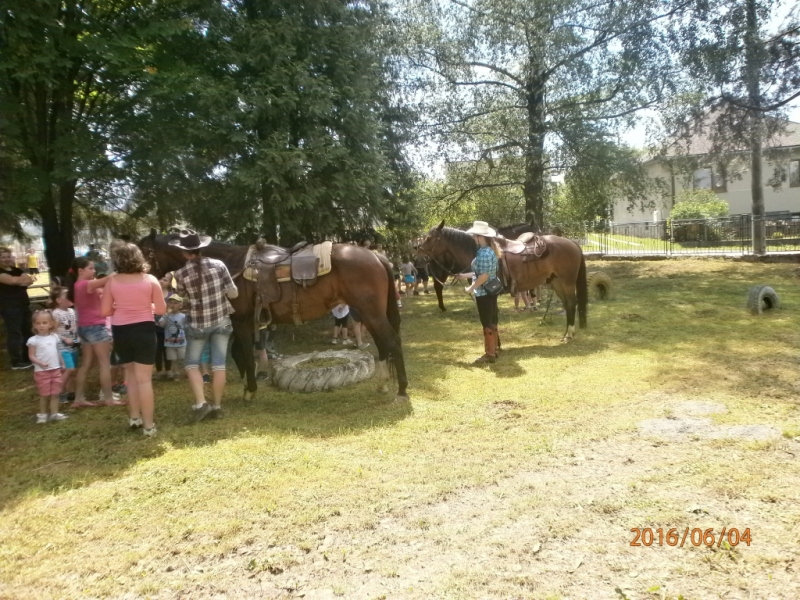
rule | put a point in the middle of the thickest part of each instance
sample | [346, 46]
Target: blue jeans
[217, 337]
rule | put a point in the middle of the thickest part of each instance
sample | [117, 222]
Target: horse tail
[583, 293]
[392, 310]
[392, 313]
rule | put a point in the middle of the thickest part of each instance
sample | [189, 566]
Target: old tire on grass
[291, 375]
[761, 298]
[599, 285]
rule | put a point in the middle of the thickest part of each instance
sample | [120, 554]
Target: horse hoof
[401, 399]
[566, 339]
[384, 389]
[249, 396]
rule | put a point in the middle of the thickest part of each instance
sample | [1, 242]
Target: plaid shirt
[204, 283]
[485, 262]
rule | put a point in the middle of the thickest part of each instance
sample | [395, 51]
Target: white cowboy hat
[481, 228]
[189, 239]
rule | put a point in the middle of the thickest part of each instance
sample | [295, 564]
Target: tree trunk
[57, 228]
[534, 188]
[753, 60]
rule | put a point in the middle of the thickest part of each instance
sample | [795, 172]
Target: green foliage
[520, 90]
[699, 204]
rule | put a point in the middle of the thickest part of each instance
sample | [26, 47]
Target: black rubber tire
[761, 298]
[599, 285]
[359, 367]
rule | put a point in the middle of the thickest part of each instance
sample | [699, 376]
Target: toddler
[174, 324]
[47, 362]
[68, 344]
[340, 313]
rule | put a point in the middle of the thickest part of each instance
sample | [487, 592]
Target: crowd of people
[126, 323]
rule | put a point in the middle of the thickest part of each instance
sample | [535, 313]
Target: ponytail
[79, 262]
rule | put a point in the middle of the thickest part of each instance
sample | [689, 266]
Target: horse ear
[441, 226]
[152, 233]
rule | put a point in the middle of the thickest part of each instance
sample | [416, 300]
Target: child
[162, 362]
[174, 324]
[68, 344]
[358, 329]
[85, 291]
[409, 272]
[340, 313]
[43, 353]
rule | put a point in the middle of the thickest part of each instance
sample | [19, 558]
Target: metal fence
[731, 235]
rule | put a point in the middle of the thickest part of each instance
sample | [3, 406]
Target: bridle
[151, 258]
[448, 270]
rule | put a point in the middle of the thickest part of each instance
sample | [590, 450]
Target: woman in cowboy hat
[484, 269]
[206, 287]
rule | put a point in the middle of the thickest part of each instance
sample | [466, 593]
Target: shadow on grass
[659, 309]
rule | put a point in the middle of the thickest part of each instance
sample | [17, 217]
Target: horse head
[162, 257]
[428, 245]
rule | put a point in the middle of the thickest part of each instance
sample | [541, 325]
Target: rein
[438, 263]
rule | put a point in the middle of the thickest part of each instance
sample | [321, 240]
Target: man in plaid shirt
[207, 288]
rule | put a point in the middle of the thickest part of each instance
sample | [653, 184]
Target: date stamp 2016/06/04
[646, 536]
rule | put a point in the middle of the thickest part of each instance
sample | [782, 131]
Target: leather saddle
[529, 246]
[269, 266]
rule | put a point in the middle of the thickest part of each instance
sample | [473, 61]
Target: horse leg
[389, 348]
[243, 335]
[437, 287]
[566, 292]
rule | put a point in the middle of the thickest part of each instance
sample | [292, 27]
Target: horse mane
[459, 239]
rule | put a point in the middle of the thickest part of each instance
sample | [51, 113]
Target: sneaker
[114, 397]
[335, 341]
[22, 365]
[120, 389]
[150, 432]
[347, 342]
[198, 414]
[216, 413]
[363, 345]
[399, 304]
[135, 423]
[427, 292]
[206, 378]
[63, 398]
[40, 418]
[262, 376]
[58, 417]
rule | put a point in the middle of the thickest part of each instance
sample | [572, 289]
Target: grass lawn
[517, 480]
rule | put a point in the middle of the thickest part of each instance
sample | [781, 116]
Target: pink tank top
[87, 305]
[133, 302]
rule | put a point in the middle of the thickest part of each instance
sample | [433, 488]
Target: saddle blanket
[283, 271]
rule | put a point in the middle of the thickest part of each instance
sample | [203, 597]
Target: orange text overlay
[647, 536]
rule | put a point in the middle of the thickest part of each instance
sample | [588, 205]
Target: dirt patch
[684, 420]
[558, 529]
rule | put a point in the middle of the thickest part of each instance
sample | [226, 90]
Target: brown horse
[448, 264]
[562, 266]
[359, 278]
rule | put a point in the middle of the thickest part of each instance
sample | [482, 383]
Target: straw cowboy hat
[482, 228]
[189, 239]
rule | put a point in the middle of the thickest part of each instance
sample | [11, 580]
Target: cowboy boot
[489, 347]
[497, 340]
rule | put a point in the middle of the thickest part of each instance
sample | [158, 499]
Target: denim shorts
[216, 337]
[93, 334]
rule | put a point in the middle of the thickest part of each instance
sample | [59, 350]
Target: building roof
[701, 143]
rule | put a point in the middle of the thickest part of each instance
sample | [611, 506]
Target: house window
[794, 173]
[702, 179]
[710, 179]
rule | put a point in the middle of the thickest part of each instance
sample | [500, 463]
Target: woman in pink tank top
[130, 300]
[85, 291]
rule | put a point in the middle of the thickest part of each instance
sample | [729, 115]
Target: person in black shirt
[15, 309]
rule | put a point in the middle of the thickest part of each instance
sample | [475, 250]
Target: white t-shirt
[340, 311]
[66, 323]
[46, 351]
